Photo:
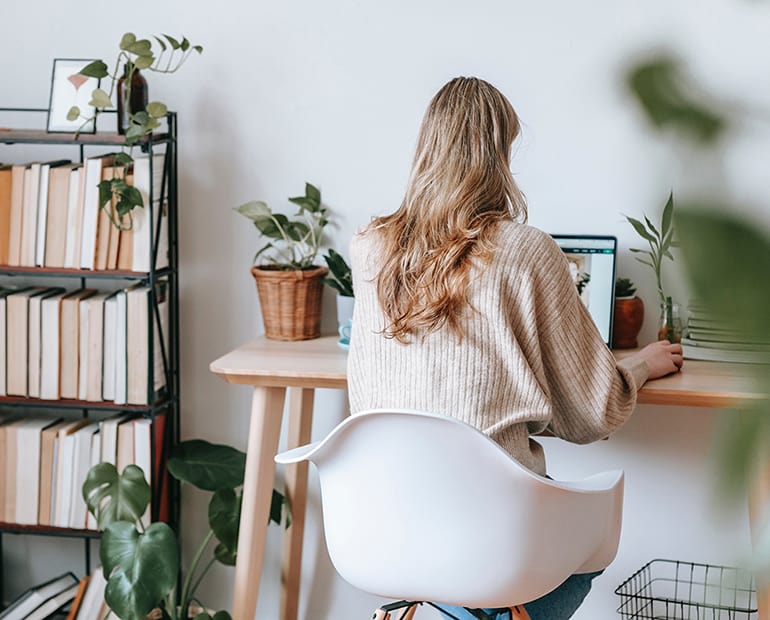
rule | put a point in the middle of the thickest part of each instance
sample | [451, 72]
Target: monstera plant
[141, 564]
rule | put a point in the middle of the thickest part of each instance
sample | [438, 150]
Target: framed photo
[68, 89]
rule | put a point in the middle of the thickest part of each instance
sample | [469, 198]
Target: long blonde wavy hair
[460, 186]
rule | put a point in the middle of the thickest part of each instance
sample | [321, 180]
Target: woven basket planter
[290, 301]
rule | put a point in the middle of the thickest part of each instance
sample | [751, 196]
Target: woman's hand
[662, 358]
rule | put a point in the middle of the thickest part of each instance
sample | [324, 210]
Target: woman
[463, 309]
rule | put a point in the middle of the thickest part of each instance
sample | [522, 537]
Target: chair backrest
[419, 506]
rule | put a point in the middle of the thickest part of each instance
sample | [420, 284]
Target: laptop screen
[592, 264]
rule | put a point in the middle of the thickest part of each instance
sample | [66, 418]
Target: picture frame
[69, 88]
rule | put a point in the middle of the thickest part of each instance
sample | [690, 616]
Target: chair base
[407, 609]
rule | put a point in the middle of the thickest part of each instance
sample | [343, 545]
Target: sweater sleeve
[592, 394]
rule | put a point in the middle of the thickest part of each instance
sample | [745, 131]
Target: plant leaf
[312, 192]
[140, 47]
[172, 41]
[127, 41]
[207, 466]
[727, 259]
[651, 227]
[157, 109]
[639, 228]
[296, 230]
[305, 203]
[73, 113]
[145, 61]
[185, 44]
[141, 569]
[224, 518]
[198, 48]
[668, 216]
[97, 69]
[160, 42]
[256, 209]
[111, 497]
[100, 99]
[124, 159]
[224, 555]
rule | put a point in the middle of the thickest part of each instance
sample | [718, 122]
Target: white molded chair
[423, 507]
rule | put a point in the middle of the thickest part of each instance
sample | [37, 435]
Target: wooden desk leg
[264, 431]
[300, 423]
[758, 518]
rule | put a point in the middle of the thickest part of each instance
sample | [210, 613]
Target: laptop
[592, 264]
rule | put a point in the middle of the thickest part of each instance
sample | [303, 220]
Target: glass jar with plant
[141, 564]
[660, 243]
[290, 285]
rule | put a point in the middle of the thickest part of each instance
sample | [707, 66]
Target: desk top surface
[320, 363]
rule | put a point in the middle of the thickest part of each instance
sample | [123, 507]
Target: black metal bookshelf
[164, 142]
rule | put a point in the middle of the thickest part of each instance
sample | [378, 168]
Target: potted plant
[340, 279]
[142, 564]
[660, 241]
[628, 315]
[289, 284]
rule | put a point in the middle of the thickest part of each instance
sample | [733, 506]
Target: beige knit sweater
[531, 359]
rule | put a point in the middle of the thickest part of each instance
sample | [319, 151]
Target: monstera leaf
[116, 497]
[224, 516]
[141, 569]
[207, 466]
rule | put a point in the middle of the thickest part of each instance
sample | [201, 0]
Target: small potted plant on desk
[290, 286]
[340, 279]
[628, 315]
[141, 561]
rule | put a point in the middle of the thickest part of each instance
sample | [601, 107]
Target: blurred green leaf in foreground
[727, 258]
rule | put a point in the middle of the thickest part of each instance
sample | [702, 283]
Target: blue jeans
[558, 604]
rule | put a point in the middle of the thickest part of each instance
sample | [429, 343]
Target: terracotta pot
[290, 301]
[629, 316]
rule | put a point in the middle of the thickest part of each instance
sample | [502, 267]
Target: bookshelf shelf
[154, 269]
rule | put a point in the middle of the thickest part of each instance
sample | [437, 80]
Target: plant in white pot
[340, 278]
[290, 285]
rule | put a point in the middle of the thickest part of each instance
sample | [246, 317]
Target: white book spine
[27, 473]
[42, 215]
[96, 458]
[83, 349]
[33, 351]
[29, 215]
[93, 176]
[49, 348]
[121, 363]
[74, 220]
[64, 480]
[109, 352]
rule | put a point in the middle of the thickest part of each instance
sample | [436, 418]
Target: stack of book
[51, 216]
[83, 345]
[44, 462]
[708, 338]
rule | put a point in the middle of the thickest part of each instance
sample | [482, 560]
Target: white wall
[333, 92]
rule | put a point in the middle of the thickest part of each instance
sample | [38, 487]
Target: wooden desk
[271, 367]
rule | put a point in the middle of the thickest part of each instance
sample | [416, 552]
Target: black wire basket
[669, 589]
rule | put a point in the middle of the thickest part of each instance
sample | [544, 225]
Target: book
[16, 215]
[126, 244]
[58, 212]
[34, 325]
[108, 429]
[144, 227]
[93, 600]
[11, 463]
[5, 420]
[81, 464]
[54, 604]
[48, 455]
[33, 598]
[50, 350]
[29, 214]
[125, 446]
[96, 458]
[65, 464]
[28, 450]
[694, 350]
[121, 361]
[77, 601]
[75, 201]
[17, 325]
[70, 341]
[109, 349]
[91, 209]
[104, 226]
[94, 330]
[5, 211]
[143, 456]
[42, 209]
[3, 340]
[140, 320]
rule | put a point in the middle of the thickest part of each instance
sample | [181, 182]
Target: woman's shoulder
[522, 241]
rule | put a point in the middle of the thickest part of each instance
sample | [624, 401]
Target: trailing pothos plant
[142, 564]
[117, 198]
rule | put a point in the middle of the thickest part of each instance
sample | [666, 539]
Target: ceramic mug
[344, 331]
